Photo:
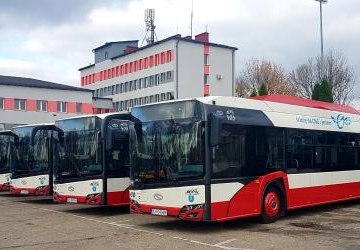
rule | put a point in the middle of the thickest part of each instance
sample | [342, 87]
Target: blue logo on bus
[191, 194]
[42, 181]
[94, 186]
[341, 121]
[191, 198]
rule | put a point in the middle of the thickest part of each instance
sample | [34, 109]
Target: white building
[29, 101]
[173, 68]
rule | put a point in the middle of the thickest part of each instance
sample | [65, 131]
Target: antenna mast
[150, 26]
[191, 18]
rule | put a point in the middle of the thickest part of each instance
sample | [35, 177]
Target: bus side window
[230, 153]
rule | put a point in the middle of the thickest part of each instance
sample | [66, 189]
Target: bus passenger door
[117, 161]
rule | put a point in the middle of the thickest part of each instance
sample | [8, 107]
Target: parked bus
[93, 160]
[31, 159]
[6, 142]
[222, 158]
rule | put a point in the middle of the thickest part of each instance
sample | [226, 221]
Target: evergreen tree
[322, 92]
[263, 90]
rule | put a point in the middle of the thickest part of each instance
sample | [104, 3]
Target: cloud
[56, 37]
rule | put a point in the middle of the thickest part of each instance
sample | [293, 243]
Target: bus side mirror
[215, 127]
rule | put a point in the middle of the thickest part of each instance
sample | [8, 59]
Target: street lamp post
[321, 36]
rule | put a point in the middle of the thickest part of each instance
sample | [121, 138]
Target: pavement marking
[225, 242]
[132, 227]
[121, 221]
[100, 221]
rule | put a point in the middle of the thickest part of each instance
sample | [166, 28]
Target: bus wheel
[272, 205]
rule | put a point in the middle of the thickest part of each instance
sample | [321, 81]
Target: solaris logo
[341, 121]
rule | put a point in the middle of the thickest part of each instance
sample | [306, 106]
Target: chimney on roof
[129, 49]
[203, 37]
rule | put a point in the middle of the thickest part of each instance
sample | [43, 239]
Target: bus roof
[34, 125]
[278, 103]
[101, 116]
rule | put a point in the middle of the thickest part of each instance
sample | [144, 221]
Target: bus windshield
[4, 153]
[78, 155]
[31, 158]
[169, 146]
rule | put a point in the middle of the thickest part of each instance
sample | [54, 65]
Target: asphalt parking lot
[35, 222]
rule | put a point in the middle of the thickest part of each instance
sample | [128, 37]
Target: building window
[157, 98]
[139, 83]
[20, 104]
[169, 75]
[168, 56]
[146, 63]
[131, 103]
[206, 79]
[206, 59]
[78, 107]
[122, 88]
[117, 88]
[163, 97]
[106, 55]
[126, 87]
[151, 99]
[134, 84]
[146, 99]
[61, 107]
[157, 61]
[162, 77]
[1, 103]
[170, 95]
[157, 79]
[151, 81]
[121, 106]
[162, 57]
[41, 105]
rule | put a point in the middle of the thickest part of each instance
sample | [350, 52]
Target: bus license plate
[24, 191]
[159, 212]
[71, 200]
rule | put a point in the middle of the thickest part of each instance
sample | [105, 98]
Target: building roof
[110, 43]
[179, 38]
[175, 37]
[35, 83]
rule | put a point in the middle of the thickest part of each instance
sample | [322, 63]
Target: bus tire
[272, 205]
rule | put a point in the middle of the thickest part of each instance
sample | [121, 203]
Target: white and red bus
[31, 159]
[6, 142]
[222, 158]
[93, 160]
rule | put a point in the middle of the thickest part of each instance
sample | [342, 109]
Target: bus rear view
[93, 160]
[32, 161]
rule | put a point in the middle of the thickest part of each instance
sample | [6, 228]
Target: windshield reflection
[169, 150]
[31, 158]
[5, 147]
[79, 155]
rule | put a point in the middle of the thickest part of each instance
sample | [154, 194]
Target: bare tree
[335, 71]
[257, 73]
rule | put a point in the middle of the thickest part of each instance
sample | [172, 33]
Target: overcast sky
[51, 40]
